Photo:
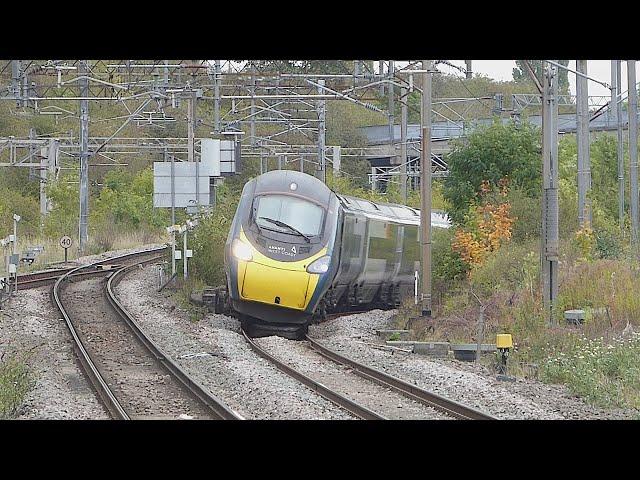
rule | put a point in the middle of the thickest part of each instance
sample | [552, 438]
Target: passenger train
[297, 250]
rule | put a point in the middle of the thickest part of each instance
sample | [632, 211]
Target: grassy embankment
[15, 382]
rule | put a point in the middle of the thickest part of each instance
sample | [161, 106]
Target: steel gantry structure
[278, 109]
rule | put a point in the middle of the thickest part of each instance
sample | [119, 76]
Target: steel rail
[213, 403]
[359, 411]
[109, 400]
[430, 399]
[39, 279]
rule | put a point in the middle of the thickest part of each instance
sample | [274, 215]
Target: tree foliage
[128, 201]
[521, 75]
[489, 225]
[490, 154]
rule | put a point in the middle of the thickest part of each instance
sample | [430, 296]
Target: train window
[410, 249]
[382, 240]
[302, 215]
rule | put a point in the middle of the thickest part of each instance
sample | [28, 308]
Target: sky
[502, 70]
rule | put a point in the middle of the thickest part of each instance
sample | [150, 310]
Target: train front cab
[277, 276]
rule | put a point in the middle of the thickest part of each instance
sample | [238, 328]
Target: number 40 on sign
[66, 242]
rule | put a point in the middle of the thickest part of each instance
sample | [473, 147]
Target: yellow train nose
[276, 286]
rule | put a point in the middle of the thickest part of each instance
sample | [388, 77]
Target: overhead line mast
[425, 189]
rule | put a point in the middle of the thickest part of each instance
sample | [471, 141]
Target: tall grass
[104, 240]
[606, 373]
[599, 360]
[15, 382]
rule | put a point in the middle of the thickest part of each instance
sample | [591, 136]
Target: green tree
[492, 153]
[520, 73]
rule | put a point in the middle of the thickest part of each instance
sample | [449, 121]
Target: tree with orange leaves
[491, 225]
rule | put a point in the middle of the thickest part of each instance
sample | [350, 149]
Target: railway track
[365, 392]
[134, 379]
[48, 277]
[447, 406]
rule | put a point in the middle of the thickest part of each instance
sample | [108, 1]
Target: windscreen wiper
[286, 225]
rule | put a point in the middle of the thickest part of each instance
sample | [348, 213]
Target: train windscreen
[300, 214]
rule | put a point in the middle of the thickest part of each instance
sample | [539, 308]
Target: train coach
[297, 250]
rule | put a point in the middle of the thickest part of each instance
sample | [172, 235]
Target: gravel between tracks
[214, 352]
[382, 400]
[30, 323]
[465, 382]
[141, 384]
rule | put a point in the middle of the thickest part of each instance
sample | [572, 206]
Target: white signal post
[4, 242]
[172, 230]
[183, 230]
[191, 224]
[185, 254]
[16, 219]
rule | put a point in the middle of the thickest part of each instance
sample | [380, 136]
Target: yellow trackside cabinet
[504, 340]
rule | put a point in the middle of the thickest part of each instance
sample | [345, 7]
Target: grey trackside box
[436, 349]
[574, 317]
[467, 351]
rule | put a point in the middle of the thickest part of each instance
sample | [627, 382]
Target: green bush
[63, 218]
[608, 244]
[210, 236]
[25, 206]
[448, 268]
[512, 267]
[527, 212]
[490, 154]
[15, 382]
[128, 201]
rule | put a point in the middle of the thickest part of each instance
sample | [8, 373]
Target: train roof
[295, 183]
[391, 211]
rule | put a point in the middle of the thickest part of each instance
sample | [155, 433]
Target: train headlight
[321, 265]
[241, 250]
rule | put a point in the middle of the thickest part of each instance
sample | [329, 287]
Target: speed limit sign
[66, 241]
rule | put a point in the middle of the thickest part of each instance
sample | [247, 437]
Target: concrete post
[252, 120]
[336, 160]
[616, 77]
[550, 237]
[425, 189]
[391, 106]
[184, 254]
[16, 66]
[584, 161]
[321, 135]
[633, 148]
[403, 143]
[84, 156]
[217, 125]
